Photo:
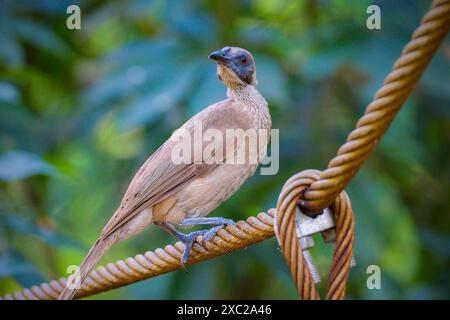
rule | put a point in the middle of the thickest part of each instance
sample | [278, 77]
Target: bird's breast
[203, 195]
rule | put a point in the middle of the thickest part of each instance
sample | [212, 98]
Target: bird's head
[235, 66]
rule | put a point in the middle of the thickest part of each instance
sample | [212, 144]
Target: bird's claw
[213, 231]
[189, 239]
[209, 234]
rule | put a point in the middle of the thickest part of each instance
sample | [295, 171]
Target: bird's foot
[208, 234]
[189, 239]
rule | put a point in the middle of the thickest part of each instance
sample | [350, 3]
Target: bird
[172, 195]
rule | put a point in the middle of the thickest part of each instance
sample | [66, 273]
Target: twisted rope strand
[342, 256]
[157, 262]
[381, 112]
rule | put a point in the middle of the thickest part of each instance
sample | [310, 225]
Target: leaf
[42, 37]
[8, 93]
[17, 165]
[14, 264]
[190, 20]
[114, 87]
[147, 108]
[11, 52]
[17, 123]
[27, 228]
[118, 143]
[143, 52]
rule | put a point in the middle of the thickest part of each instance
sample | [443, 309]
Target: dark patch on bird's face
[237, 60]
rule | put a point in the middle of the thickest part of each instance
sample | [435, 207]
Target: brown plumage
[165, 193]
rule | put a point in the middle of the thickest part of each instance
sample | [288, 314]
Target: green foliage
[17, 165]
[81, 110]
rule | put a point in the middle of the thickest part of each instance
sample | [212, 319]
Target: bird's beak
[219, 57]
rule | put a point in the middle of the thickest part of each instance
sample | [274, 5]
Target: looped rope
[314, 191]
[285, 229]
[381, 112]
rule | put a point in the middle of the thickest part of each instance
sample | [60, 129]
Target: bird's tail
[93, 257]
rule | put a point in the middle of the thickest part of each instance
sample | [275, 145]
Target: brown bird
[170, 194]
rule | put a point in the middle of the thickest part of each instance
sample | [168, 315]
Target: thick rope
[314, 190]
[320, 194]
[285, 229]
[381, 112]
[160, 261]
[343, 250]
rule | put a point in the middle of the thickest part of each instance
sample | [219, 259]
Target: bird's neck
[254, 102]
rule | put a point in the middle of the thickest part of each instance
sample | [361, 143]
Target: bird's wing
[159, 177]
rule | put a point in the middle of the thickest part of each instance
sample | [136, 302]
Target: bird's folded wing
[160, 176]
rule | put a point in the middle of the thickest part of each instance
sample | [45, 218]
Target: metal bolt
[307, 243]
[306, 227]
[311, 266]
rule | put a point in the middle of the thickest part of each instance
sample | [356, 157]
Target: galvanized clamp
[307, 227]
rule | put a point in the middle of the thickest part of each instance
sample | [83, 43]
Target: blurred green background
[81, 110]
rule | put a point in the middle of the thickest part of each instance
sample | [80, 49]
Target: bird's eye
[244, 61]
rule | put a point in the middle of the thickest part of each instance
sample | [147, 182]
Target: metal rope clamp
[306, 227]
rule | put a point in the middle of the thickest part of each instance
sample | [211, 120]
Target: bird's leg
[212, 220]
[188, 239]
